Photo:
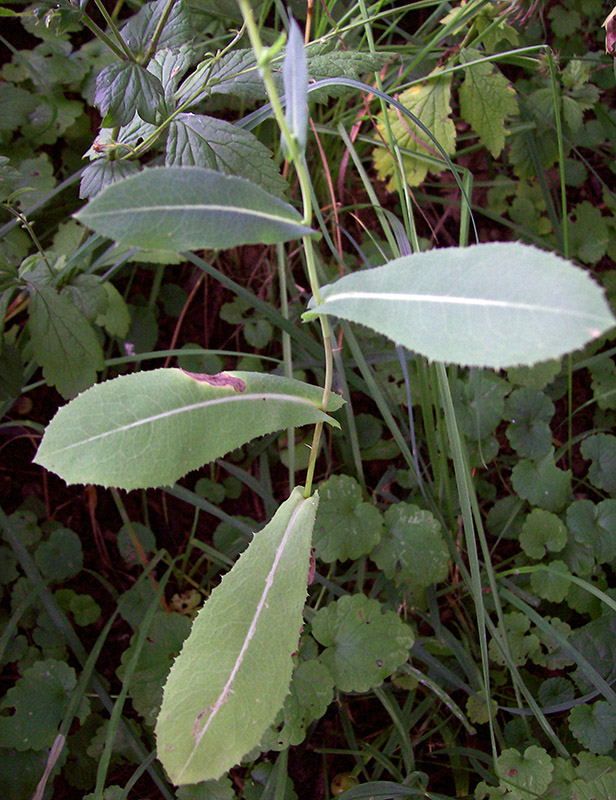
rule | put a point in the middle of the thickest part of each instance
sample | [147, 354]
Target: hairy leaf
[188, 208]
[64, 342]
[600, 448]
[151, 428]
[430, 103]
[542, 531]
[529, 432]
[594, 725]
[125, 87]
[595, 526]
[195, 139]
[365, 643]
[486, 100]
[461, 304]
[527, 775]
[542, 483]
[101, 173]
[233, 673]
[295, 83]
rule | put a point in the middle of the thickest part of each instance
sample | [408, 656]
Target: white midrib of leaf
[448, 299]
[184, 409]
[262, 604]
[189, 209]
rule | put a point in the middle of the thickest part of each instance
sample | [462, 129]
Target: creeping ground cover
[308, 387]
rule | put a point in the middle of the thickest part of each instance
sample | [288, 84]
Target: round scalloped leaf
[480, 403]
[601, 449]
[364, 642]
[594, 726]
[594, 526]
[541, 532]
[345, 526]
[60, 557]
[207, 790]
[529, 412]
[462, 305]
[542, 483]
[555, 691]
[522, 644]
[412, 550]
[553, 585]
[527, 775]
[151, 428]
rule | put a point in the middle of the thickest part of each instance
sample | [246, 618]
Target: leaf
[101, 173]
[553, 585]
[64, 342]
[542, 483]
[530, 412]
[542, 531]
[207, 790]
[185, 208]
[233, 673]
[39, 699]
[139, 30]
[594, 725]
[479, 401]
[151, 428]
[594, 526]
[600, 448]
[164, 641]
[60, 557]
[536, 377]
[365, 643]
[345, 527]
[478, 710]
[430, 103]
[461, 305]
[526, 776]
[589, 235]
[486, 100]
[126, 87]
[412, 550]
[515, 635]
[116, 317]
[195, 139]
[295, 83]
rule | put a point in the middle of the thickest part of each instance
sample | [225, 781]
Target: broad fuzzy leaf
[151, 428]
[195, 139]
[364, 641]
[486, 100]
[64, 342]
[125, 87]
[430, 103]
[187, 208]
[233, 673]
[493, 305]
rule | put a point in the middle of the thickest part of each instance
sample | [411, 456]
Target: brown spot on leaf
[218, 379]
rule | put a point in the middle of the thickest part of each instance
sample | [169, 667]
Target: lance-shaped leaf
[295, 81]
[233, 673]
[187, 208]
[151, 428]
[491, 305]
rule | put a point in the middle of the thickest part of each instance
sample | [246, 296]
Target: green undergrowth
[459, 634]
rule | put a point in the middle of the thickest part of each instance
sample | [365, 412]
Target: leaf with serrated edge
[151, 428]
[233, 673]
[189, 208]
[492, 305]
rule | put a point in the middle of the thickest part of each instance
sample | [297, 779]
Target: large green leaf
[187, 208]
[492, 305]
[233, 673]
[151, 428]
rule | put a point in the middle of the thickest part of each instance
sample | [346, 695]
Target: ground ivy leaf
[233, 673]
[101, 173]
[542, 483]
[554, 691]
[594, 526]
[552, 585]
[486, 100]
[520, 642]
[39, 699]
[412, 550]
[596, 641]
[594, 725]
[64, 342]
[536, 377]
[163, 642]
[480, 403]
[552, 655]
[124, 87]
[429, 102]
[345, 527]
[589, 235]
[528, 775]
[195, 139]
[601, 450]
[478, 710]
[310, 693]
[151, 428]
[207, 790]
[542, 531]
[364, 642]
[530, 412]
[60, 557]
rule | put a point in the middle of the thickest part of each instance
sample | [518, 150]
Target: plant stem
[115, 31]
[157, 33]
[100, 33]
[296, 157]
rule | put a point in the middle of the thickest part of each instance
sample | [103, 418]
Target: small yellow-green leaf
[430, 102]
[233, 673]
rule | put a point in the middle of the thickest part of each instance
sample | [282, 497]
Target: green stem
[157, 33]
[100, 33]
[114, 29]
